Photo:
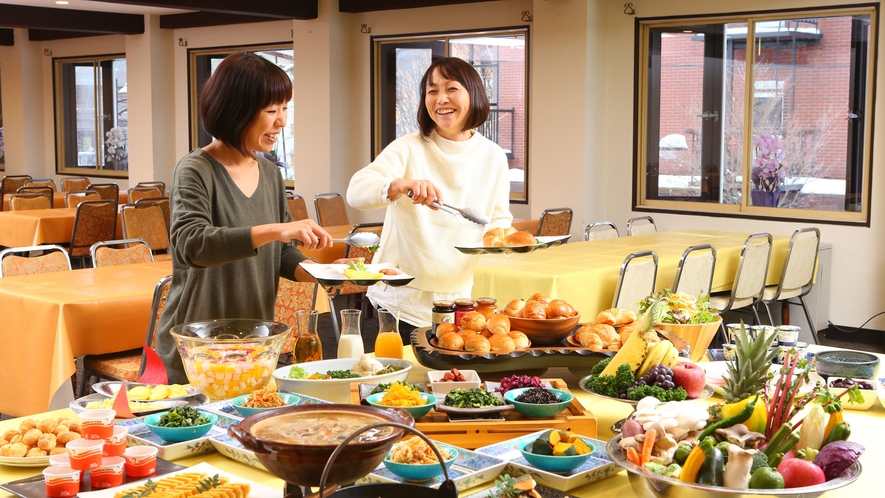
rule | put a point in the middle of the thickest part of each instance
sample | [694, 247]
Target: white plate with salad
[331, 275]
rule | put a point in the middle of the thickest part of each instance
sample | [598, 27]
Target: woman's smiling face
[448, 104]
[264, 131]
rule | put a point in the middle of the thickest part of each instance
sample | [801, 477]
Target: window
[91, 110]
[780, 100]
[500, 58]
[202, 64]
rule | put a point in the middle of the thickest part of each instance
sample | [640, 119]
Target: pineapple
[636, 347]
[747, 375]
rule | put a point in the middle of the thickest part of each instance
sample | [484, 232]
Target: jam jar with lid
[443, 312]
[487, 306]
[462, 307]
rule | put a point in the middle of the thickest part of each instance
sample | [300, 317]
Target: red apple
[690, 377]
[799, 473]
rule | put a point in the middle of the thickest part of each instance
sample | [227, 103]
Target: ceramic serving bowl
[178, 434]
[534, 410]
[869, 395]
[854, 364]
[288, 398]
[415, 411]
[552, 463]
[421, 472]
[544, 332]
[303, 464]
[336, 390]
[471, 380]
[645, 483]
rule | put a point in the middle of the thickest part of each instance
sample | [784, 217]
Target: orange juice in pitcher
[388, 343]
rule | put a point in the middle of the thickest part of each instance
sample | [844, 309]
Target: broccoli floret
[655, 467]
[760, 459]
[664, 395]
[599, 367]
[611, 385]
[673, 470]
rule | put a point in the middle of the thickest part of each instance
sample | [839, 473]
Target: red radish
[799, 473]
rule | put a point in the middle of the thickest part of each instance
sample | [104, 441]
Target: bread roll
[537, 296]
[596, 336]
[445, 328]
[519, 239]
[498, 324]
[451, 340]
[473, 320]
[502, 343]
[466, 334]
[486, 333]
[616, 317]
[495, 237]
[534, 309]
[477, 343]
[514, 308]
[519, 339]
[559, 309]
[624, 332]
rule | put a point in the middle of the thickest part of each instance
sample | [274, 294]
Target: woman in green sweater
[232, 232]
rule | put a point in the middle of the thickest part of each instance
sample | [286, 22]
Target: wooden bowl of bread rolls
[546, 321]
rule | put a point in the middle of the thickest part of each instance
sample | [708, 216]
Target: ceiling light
[62, 2]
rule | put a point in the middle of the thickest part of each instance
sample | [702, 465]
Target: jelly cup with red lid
[85, 454]
[116, 444]
[108, 474]
[62, 459]
[97, 424]
[141, 461]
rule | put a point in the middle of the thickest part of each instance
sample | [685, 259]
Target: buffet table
[40, 226]
[864, 426]
[585, 274]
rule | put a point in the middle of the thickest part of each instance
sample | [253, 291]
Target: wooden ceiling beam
[202, 19]
[7, 37]
[80, 21]
[355, 6]
[49, 35]
[275, 9]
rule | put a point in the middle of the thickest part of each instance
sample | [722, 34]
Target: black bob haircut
[453, 68]
[241, 86]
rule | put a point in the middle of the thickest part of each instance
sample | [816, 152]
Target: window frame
[643, 202]
[446, 37]
[60, 132]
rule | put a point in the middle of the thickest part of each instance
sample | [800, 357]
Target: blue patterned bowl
[288, 398]
[852, 364]
[416, 411]
[178, 434]
[421, 472]
[534, 410]
[552, 463]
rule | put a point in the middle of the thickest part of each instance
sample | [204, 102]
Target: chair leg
[808, 317]
[84, 380]
[755, 314]
[768, 312]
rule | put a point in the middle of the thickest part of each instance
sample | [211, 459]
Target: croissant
[597, 336]
[616, 316]
[496, 236]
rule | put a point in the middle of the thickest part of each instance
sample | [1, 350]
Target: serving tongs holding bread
[465, 215]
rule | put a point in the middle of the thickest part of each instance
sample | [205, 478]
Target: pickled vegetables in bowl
[231, 357]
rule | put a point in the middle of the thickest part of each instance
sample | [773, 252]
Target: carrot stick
[648, 445]
[633, 456]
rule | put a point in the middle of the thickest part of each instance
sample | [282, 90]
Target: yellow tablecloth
[585, 274]
[865, 430]
[41, 226]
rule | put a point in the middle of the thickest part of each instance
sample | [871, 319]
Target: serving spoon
[360, 239]
[464, 214]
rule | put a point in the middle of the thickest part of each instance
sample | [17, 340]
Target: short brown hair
[241, 86]
[453, 68]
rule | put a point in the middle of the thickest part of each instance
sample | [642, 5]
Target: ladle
[360, 239]
[463, 214]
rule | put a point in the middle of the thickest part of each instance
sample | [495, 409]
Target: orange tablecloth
[585, 273]
[41, 226]
[58, 200]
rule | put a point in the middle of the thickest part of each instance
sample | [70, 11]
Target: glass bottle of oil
[307, 346]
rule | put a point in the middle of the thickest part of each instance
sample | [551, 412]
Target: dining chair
[358, 292]
[331, 210]
[145, 221]
[127, 365]
[136, 193]
[37, 189]
[95, 221]
[53, 258]
[748, 284]
[109, 191]
[641, 225]
[27, 201]
[73, 183]
[797, 278]
[694, 274]
[120, 252]
[601, 230]
[292, 297]
[555, 222]
[163, 202]
[41, 182]
[636, 279]
[75, 197]
[297, 206]
[11, 183]
[161, 186]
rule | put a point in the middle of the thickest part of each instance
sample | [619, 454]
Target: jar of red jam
[462, 307]
[443, 312]
[487, 306]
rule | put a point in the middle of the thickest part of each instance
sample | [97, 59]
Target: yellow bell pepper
[756, 422]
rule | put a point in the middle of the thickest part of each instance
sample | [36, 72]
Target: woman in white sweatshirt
[445, 160]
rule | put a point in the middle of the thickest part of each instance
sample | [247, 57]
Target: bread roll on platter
[501, 343]
[486, 333]
[473, 320]
[451, 340]
[514, 308]
[520, 340]
[496, 237]
[466, 334]
[445, 328]
[498, 324]
[598, 336]
[616, 317]
[477, 343]
[559, 309]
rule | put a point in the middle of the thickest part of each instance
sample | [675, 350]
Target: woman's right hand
[311, 235]
[423, 191]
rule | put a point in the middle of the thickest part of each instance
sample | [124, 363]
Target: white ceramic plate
[110, 389]
[331, 275]
[25, 461]
[598, 466]
[335, 390]
[79, 404]
[468, 470]
[543, 243]
[141, 435]
[257, 490]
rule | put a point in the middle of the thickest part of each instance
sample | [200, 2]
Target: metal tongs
[465, 215]
[360, 239]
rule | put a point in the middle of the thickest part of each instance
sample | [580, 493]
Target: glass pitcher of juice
[307, 345]
[388, 343]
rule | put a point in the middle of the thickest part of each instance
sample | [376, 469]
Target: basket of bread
[544, 320]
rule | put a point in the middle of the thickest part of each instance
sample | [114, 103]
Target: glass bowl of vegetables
[330, 380]
[181, 424]
[538, 402]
